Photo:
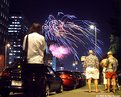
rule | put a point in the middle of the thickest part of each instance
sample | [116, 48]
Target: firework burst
[66, 32]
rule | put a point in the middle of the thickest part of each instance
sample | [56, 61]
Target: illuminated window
[14, 45]
[10, 54]
[12, 16]
[15, 31]
[13, 22]
[10, 31]
[11, 25]
[14, 51]
[18, 57]
[10, 62]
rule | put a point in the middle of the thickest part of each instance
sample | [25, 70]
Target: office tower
[16, 32]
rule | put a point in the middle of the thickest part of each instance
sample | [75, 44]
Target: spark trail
[65, 32]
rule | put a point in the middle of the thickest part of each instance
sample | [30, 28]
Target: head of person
[91, 52]
[35, 27]
[110, 53]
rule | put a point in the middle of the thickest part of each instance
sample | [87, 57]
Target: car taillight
[69, 77]
[62, 76]
[66, 76]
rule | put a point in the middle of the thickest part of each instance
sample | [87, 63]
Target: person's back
[36, 48]
[35, 63]
[113, 63]
[92, 61]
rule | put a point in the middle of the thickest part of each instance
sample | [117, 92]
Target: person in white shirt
[35, 63]
[104, 63]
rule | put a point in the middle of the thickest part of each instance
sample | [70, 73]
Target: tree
[115, 38]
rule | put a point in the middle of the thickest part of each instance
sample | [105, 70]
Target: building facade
[16, 32]
[4, 17]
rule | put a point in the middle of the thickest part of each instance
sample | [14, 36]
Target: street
[81, 92]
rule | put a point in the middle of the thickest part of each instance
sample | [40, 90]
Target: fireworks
[59, 51]
[66, 32]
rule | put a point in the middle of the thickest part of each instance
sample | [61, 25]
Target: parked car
[69, 79]
[4, 82]
[53, 82]
[81, 78]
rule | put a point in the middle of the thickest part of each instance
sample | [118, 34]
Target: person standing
[111, 71]
[35, 62]
[104, 63]
[91, 65]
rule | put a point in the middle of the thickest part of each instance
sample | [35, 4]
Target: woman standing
[104, 63]
[36, 45]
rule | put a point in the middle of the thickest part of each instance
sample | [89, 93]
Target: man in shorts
[111, 71]
[91, 65]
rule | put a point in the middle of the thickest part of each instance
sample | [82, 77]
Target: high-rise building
[4, 17]
[16, 31]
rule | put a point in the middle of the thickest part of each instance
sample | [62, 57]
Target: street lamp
[93, 27]
[6, 52]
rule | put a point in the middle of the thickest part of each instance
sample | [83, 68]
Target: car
[53, 82]
[4, 82]
[69, 79]
[81, 78]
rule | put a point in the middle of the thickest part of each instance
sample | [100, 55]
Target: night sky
[99, 11]
[36, 10]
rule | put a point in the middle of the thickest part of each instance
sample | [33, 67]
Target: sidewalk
[83, 92]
